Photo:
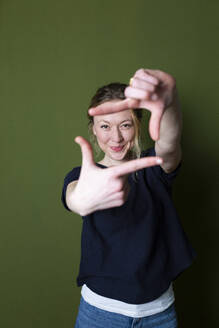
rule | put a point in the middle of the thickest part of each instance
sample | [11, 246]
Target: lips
[117, 149]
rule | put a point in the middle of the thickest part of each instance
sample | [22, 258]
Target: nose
[116, 135]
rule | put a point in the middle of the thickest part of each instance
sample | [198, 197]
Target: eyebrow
[120, 122]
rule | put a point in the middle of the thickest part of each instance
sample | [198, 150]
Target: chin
[118, 156]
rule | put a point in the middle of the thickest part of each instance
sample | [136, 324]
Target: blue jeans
[90, 316]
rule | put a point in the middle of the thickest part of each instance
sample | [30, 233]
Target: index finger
[135, 165]
[113, 107]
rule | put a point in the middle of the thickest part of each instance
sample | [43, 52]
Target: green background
[53, 56]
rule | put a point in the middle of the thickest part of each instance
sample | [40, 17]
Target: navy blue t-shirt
[133, 252]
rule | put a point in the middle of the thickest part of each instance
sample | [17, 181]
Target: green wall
[53, 57]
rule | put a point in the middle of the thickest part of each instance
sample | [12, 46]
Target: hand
[98, 188]
[151, 89]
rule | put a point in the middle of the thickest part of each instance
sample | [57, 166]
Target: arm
[168, 145]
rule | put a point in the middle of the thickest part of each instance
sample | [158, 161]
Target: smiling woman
[127, 125]
[133, 246]
[115, 139]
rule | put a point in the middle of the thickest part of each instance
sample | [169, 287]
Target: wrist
[80, 206]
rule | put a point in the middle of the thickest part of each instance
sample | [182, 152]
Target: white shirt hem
[132, 310]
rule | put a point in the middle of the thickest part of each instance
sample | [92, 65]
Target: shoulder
[158, 171]
[73, 174]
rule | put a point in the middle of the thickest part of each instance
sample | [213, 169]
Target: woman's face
[115, 135]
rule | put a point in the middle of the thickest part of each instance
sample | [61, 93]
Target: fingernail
[159, 161]
[91, 111]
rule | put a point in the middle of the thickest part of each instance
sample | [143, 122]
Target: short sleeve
[70, 176]
[167, 178]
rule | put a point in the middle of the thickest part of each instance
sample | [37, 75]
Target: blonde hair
[137, 141]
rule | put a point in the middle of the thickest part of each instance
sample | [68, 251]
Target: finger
[140, 94]
[145, 74]
[113, 107]
[156, 73]
[154, 124]
[86, 150]
[135, 165]
[142, 84]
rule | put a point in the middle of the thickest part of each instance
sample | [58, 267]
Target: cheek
[101, 137]
[130, 135]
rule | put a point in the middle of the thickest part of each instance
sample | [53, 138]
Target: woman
[133, 245]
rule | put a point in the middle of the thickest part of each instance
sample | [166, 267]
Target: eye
[127, 126]
[104, 126]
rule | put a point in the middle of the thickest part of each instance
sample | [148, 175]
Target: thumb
[154, 124]
[86, 150]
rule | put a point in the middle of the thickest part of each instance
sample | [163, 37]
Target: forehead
[114, 118]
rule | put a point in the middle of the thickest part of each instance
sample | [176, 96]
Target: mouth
[117, 149]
